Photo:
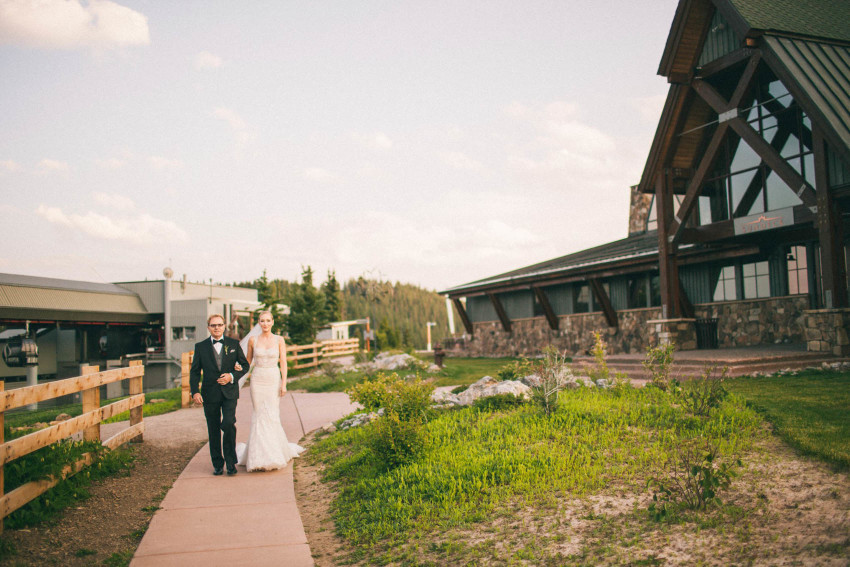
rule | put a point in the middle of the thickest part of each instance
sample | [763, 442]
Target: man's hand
[197, 398]
[225, 379]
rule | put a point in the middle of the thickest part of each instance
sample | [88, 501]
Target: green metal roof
[820, 72]
[829, 19]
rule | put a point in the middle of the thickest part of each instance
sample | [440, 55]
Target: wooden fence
[302, 356]
[88, 423]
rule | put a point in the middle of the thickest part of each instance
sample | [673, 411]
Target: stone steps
[690, 367]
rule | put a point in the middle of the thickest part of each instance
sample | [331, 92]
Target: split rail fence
[88, 423]
[300, 356]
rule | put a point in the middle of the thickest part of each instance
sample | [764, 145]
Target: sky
[429, 142]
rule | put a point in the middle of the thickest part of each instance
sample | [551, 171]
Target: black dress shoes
[218, 471]
[231, 471]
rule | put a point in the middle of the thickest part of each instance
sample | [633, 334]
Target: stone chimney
[638, 211]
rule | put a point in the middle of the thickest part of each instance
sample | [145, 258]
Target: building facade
[737, 227]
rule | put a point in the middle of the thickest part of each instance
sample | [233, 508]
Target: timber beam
[464, 316]
[500, 311]
[605, 302]
[541, 296]
[829, 224]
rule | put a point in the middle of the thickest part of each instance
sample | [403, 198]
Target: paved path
[248, 519]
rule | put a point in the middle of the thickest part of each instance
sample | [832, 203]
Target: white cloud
[207, 60]
[110, 163]
[71, 24]
[160, 163]
[51, 165]
[319, 175]
[244, 133]
[459, 160]
[9, 165]
[138, 229]
[114, 201]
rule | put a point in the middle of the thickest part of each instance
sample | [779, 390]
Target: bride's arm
[283, 365]
[250, 354]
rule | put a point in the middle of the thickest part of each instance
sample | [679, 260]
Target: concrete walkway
[247, 519]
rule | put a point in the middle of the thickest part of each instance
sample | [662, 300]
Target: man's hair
[214, 316]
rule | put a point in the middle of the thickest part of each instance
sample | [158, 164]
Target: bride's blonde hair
[265, 312]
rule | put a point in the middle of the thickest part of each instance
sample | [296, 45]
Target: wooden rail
[88, 423]
[299, 356]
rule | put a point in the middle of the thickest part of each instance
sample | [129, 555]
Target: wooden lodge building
[738, 231]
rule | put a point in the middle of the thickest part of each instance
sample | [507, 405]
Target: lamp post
[428, 327]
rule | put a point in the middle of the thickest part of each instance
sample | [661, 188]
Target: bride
[267, 447]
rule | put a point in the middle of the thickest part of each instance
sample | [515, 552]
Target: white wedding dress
[267, 448]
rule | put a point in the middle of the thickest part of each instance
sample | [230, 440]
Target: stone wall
[574, 335]
[639, 211]
[753, 322]
[740, 323]
[827, 331]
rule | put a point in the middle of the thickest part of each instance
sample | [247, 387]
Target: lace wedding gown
[267, 447]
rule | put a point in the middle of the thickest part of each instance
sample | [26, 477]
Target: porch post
[667, 266]
[829, 231]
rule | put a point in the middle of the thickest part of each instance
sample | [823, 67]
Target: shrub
[658, 363]
[515, 370]
[498, 402]
[704, 393]
[554, 375]
[692, 479]
[399, 434]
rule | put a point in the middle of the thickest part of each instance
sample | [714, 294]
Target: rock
[603, 383]
[445, 398]
[386, 361]
[487, 387]
[61, 417]
[358, 420]
[329, 428]
[532, 380]
[433, 368]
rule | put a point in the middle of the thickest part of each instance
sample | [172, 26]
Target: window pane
[791, 147]
[744, 158]
[763, 286]
[729, 287]
[762, 268]
[740, 183]
[779, 195]
[749, 270]
[749, 288]
[809, 169]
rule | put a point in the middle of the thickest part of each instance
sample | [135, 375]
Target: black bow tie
[218, 341]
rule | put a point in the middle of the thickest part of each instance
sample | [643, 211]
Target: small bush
[515, 370]
[459, 389]
[701, 395]
[692, 479]
[498, 402]
[329, 369]
[658, 363]
[399, 434]
[554, 375]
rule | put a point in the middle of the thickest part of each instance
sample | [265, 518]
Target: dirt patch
[314, 504]
[115, 517]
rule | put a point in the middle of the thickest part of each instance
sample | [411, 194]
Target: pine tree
[269, 296]
[333, 299]
[306, 306]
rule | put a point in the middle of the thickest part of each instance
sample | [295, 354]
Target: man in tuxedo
[216, 359]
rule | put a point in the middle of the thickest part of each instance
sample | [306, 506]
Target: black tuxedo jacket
[204, 364]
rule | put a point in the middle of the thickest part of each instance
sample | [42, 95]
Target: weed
[119, 559]
[498, 402]
[658, 363]
[7, 549]
[84, 552]
[515, 370]
[703, 394]
[692, 479]
[554, 375]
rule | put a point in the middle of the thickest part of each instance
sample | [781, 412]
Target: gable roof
[826, 19]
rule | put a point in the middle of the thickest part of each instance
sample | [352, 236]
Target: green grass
[479, 464]
[172, 402]
[456, 371]
[809, 411]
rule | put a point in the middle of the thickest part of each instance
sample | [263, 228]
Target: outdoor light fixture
[21, 352]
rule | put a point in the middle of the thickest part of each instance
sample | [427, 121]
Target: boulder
[487, 387]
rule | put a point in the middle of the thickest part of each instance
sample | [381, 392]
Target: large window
[756, 278]
[725, 288]
[182, 333]
[581, 298]
[798, 279]
[741, 184]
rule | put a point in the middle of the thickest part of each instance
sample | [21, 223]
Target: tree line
[398, 313]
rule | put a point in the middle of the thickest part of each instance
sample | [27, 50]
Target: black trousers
[221, 427]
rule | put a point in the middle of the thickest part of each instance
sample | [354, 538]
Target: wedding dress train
[267, 447]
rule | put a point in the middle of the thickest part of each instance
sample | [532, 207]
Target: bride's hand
[237, 367]
[282, 392]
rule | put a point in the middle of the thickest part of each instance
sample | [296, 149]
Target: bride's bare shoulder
[280, 338]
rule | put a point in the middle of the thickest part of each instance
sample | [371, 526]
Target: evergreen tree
[306, 307]
[333, 299]
[269, 296]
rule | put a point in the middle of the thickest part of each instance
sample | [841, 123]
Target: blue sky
[430, 142]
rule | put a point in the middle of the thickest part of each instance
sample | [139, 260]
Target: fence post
[91, 402]
[316, 355]
[137, 414]
[185, 368]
